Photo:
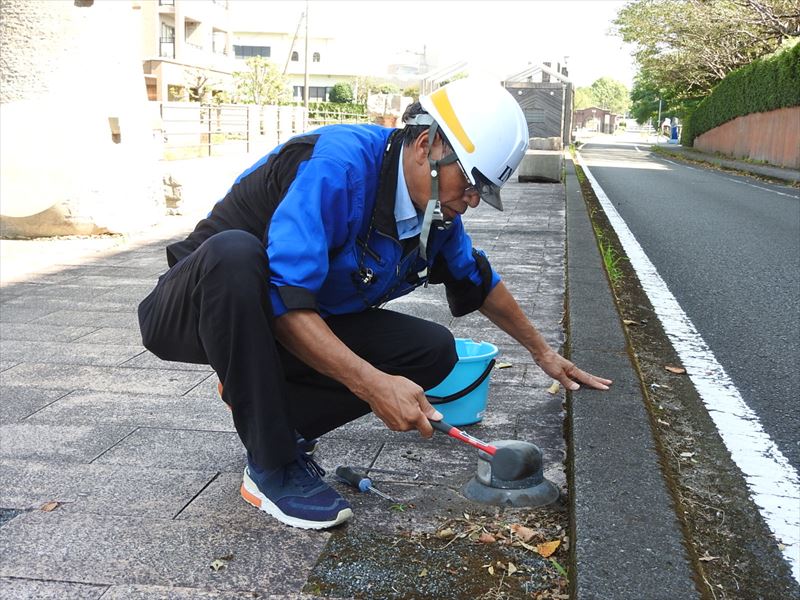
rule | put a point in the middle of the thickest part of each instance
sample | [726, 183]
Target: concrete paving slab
[23, 314]
[98, 549]
[178, 449]
[101, 355]
[88, 318]
[164, 412]
[45, 333]
[99, 489]
[130, 293]
[147, 360]
[32, 589]
[58, 443]
[108, 379]
[15, 302]
[19, 402]
[115, 336]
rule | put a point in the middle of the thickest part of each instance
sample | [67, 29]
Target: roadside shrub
[341, 93]
[763, 85]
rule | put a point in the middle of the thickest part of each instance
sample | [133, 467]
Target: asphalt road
[728, 248]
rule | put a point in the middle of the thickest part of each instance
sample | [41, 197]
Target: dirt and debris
[472, 556]
[730, 547]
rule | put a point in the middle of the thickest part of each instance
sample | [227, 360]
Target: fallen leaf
[218, 564]
[512, 568]
[423, 573]
[553, 389]
[708, 558]
[662, 422]
[687, 454]
[522, 532]
[487, 538]
[676, 370]
[491, 570]
[445, 533]
[50, 506]
[466, 516]
[547, 548]
[527, 546]
[629, 322]
[502, 365]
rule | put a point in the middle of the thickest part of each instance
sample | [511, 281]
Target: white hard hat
[486, 128]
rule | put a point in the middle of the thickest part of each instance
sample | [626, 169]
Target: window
[166, 46]
[295, 56]
[315, 57]
[245, 52]
[315, 93]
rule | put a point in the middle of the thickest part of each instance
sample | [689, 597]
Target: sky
[497, 37]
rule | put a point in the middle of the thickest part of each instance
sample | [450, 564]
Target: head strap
[433, 210]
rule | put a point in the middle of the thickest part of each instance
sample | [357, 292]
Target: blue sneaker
[295, 494]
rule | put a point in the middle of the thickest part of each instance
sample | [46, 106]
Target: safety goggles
[488, 191]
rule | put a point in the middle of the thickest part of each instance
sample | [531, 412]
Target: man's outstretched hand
[567, 374]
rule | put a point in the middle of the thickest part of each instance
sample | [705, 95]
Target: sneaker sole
[253, 495]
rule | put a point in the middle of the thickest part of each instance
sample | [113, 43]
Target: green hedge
[317, 109]
[763, 85]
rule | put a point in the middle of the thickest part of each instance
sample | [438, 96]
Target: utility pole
[305, 74]
[658, 121]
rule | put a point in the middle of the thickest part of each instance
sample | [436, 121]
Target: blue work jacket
[323, 205]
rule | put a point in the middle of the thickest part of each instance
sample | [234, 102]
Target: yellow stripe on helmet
[448, 115]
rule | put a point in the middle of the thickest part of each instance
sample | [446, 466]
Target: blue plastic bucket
[463, 394]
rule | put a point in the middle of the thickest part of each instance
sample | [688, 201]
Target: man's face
[456, 194]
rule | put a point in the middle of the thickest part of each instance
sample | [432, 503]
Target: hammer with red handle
[507, 463]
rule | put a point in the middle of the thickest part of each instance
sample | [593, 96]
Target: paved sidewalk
[119, 473]
[771, 171]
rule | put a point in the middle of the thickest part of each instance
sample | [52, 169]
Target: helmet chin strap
[433, 210]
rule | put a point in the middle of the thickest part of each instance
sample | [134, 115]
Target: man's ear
[421, 146]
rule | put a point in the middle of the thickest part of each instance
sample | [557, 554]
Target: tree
[687, 46]
[584, 98]
[199, 85]
[341, 93]
[611, 95]
[262, 83]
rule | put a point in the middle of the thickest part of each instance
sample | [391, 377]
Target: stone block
[132, 410]
[17, 402]
[541, 166]
[63, 590]
[103, 549]
[105, 379]
[545, 143]
[100, 489]
[174, 448]
[58, 442]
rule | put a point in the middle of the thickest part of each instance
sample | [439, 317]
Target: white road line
[774, 484]
[758, 187]
[680, 165]
[637, 148]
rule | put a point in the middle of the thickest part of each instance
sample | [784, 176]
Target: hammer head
[514, 461]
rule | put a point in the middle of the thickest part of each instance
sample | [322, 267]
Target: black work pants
[213, 308]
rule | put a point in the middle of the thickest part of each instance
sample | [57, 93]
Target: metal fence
[193, 130]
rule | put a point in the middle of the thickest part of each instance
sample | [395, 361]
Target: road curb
[628, 542]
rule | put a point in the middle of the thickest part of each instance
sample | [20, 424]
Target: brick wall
[772, 136]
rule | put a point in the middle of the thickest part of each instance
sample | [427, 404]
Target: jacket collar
[383, 213]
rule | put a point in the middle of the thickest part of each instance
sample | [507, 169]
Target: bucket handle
[467, 390]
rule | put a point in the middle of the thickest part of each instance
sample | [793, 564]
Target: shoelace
[306, 473]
